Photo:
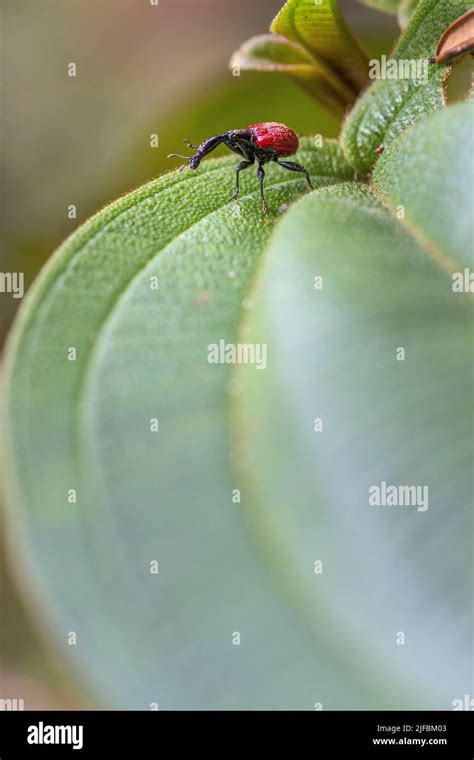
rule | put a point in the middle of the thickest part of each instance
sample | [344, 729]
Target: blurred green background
[142, 70]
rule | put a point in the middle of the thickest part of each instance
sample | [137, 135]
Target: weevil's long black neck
[205, 148]
[237, 140]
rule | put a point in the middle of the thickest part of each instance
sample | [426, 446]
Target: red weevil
[262, 142]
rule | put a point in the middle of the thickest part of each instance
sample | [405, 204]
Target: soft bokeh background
[141, 70]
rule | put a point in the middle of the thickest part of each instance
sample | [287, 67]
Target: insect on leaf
[121, 456]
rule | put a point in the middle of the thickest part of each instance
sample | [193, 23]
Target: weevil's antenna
[178, 155]
[189, 144]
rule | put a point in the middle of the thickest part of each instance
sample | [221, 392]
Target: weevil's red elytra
[457, 39]
[270, 135]
[261, 143]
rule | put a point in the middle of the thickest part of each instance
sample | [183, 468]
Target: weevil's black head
[194, 161]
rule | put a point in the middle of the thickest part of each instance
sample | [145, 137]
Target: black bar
[323, 734]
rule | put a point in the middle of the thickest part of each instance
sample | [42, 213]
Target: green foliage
[426, 173]
[274, 53]
[321, 29]
[312, 43]
[392, 105]
[126, 446]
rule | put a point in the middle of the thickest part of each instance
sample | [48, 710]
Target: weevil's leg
[294, 167]
[243, 165]
[261, 177]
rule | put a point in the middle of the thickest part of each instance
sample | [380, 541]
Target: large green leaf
[388, 572]
[142, 496]
[391, 105]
